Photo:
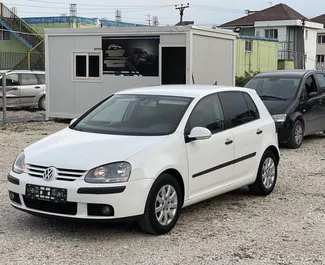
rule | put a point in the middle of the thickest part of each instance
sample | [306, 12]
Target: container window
[87, 66]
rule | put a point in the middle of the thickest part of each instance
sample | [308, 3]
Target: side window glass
[41, 79]
[321, 82]
[251, 107]
[28, 80]
[235, 109]
[208, 114]
[310, 85]
[12, 80]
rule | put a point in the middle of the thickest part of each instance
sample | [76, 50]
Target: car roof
[192, 91]
[287, 73]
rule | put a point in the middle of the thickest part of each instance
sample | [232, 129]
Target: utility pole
[149, 20]
[303, 43]
[181, 9]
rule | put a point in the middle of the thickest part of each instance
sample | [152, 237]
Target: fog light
[11, 195]
[106, 210]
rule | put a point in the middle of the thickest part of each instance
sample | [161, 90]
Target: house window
[320, 58]
[321, 39]
[248, 46]
[271, 33]
[4, 35]
[87, 66]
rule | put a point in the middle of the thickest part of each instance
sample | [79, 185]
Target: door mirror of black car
[312, 94]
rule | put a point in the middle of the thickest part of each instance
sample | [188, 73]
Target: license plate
[43, 193]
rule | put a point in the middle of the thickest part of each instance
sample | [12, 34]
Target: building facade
[295, 34]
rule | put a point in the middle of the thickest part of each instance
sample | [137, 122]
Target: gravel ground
[22, 115]
[287, 227]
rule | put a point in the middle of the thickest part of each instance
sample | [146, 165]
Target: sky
[202, 12]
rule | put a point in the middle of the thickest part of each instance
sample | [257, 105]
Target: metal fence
[21, 61]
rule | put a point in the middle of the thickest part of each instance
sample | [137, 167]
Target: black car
[295, 99]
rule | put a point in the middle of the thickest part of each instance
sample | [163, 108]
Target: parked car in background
[208, 140]
[25, 88]
[295, 99]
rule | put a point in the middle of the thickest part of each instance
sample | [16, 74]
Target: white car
[147, 152]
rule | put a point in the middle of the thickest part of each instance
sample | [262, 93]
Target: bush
[242, 80]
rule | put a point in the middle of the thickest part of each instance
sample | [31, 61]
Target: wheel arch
[177, 175]
[275, 151]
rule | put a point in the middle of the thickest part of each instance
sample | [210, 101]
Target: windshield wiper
[271, 97]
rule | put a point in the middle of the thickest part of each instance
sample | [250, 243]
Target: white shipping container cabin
[83, 66]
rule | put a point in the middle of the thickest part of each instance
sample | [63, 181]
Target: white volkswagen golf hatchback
[145, 153]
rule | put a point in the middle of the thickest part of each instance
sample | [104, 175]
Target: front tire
[163, 206]
[297, 135]
[266, 176]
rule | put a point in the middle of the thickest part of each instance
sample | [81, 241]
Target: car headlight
[280, 118]
[110, 173]
[19, 164]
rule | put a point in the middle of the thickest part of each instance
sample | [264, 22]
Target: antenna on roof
[271, 3]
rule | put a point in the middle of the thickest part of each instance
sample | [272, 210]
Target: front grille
[69, 208]
[63, 174]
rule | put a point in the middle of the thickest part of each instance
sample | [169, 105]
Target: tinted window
[235, 108]
[207, 113]
[275, 86]
[321, 81]
[94, 66]
[41, 79]
[81, 66]
[124, 115]
[28, 79]
[251, 106]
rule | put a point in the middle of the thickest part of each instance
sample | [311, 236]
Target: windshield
[135, 115]
[277, 87]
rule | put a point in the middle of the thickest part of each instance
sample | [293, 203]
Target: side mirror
[199, 133]
[312, 94]
[72, 121]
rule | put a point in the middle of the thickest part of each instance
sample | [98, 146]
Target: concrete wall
[263, 57]
[12, 45]
[213, 60]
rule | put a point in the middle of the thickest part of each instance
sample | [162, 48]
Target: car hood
[70, 149]
[276, 106]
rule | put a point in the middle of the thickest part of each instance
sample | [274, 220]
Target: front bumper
[84, 200]
[284, 131]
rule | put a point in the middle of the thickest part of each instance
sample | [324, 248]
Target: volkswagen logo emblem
[49, 173]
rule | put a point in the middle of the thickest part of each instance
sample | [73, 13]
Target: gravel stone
[287, 227]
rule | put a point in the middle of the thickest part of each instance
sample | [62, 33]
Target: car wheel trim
[268, 173]
[166, 205]
[298, 134]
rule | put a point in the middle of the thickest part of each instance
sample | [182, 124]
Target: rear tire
[161, 212]
[266, 176]
[42, 103]
[297, 135]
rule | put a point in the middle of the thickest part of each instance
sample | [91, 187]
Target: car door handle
[37, 87]
[228, 141]
[259, 131]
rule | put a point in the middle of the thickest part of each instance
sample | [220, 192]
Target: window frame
[319, 57]
[249, 45]
[321, 39]
[87, 78]
[273, 33]
[321, 88]
[241, 92]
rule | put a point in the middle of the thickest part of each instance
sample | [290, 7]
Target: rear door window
[28, 79]
[236, 110]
